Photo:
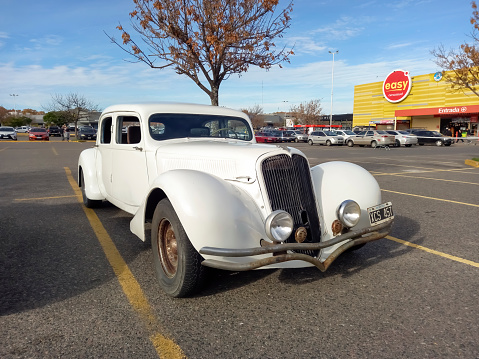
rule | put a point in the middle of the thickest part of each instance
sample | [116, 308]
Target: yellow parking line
[435, 179]
[421, 171]
[432, 251]
[436, 199]
[41, 198]
[165, 347]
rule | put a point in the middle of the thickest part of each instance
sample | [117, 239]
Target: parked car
[268, 136]
[327, 138]
[373, 138]
[425, 137]
[403, 138]
[207, 199]
[287, 136]
[300, 136]
[38, 134]
[345, 134]
[55, 131]
[22, 129]
[86, 133]
[8, 133]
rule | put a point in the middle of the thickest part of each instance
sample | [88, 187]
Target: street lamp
[332, 83]
[285, 113]
[14, 103]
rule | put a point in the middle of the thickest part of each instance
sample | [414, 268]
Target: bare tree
[71, 106]
[463, 63]
[255, 114]
[308, 113]
[207, 40]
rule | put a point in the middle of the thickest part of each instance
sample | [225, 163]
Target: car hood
[228, 160]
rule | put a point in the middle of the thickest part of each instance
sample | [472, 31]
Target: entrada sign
[397, 86]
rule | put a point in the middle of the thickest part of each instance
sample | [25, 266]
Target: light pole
[285, 124]
[332, 83]
[14, 103]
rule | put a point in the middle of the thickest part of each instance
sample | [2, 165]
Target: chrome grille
[289, 187]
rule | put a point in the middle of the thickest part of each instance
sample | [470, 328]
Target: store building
[403, 101]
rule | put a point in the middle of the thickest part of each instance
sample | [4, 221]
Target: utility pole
[332, 83]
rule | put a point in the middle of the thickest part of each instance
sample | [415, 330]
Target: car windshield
[349, 133]
[166, 126]
[330, 133]
[382, 132]
[403, 132]
[87, 130]
[9, 129]
[38, 130]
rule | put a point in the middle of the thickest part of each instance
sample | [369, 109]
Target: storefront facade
[401, 101]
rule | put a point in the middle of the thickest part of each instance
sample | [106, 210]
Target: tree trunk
[214, 95]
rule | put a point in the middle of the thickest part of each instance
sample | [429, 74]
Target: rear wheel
[328, 143]
[350, 143]
[374, 144]
[439, 143]
[176, 262]
[398, 144]
[310, 142]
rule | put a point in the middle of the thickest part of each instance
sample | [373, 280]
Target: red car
[37, 133]
[267, 137]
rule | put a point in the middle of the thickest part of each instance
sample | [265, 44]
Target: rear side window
[105, 130]
[128, 130]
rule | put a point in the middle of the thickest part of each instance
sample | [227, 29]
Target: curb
[472, 163]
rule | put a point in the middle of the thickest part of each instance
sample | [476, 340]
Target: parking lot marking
[54, 151]
[3, 149]
[436, 179]
[436, 199]
[165, 347]
[432, 251]
[423, 171]
[40, 198]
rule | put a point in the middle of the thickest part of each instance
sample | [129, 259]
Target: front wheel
[89, 203]
[374, 144]
[350, 143]
[176, 262]
[439, 143]
[328, 143]
[398, 144]
[310, 142]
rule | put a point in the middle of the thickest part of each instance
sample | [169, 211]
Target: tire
[89, 203]
[439, 143]
[350, 143]
[310, 142]
[328, 143]
[398, 144]
[296, 140]
[374, 144]
[176, 263]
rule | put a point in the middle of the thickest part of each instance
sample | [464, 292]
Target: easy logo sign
[397, 85]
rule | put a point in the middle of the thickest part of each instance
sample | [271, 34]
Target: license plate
[380, 213]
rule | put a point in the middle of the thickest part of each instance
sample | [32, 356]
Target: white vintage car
[207, 194]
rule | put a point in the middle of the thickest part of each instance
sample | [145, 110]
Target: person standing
[63, 132]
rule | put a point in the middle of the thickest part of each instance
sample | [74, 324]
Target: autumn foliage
[207, 40]
[462, 64]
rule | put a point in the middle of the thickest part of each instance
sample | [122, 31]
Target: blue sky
[57, 47]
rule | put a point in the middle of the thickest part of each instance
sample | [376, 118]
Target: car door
[129, 173]
[104, 153]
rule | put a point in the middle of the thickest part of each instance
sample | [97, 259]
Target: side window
[128, 130]
[105, 130]
[370, 133]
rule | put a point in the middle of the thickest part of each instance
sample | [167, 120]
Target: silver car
[8, 133]
[346, 134]
[327, 138]
[300, 136]
[403, 138]
[373, 138]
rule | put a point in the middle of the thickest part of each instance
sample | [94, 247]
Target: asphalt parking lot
[413, 294]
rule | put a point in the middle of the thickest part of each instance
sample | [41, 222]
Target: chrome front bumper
[280, 251]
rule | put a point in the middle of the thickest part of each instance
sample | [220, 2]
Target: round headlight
[279, 226]
[349, 213]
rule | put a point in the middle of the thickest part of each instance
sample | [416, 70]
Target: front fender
[87, 166]
[212, 211]
[335, 182]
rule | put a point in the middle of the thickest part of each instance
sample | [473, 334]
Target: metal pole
[14, 103]
[332, 85]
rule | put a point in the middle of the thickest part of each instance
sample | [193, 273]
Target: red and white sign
[397, 86]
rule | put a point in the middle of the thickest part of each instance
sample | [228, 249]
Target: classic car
[207, 195]
[373, 138]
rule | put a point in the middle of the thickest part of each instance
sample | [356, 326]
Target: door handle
[138, 148]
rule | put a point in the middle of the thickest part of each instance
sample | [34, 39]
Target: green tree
[56, 118]
[462, 65]
[207, 40]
